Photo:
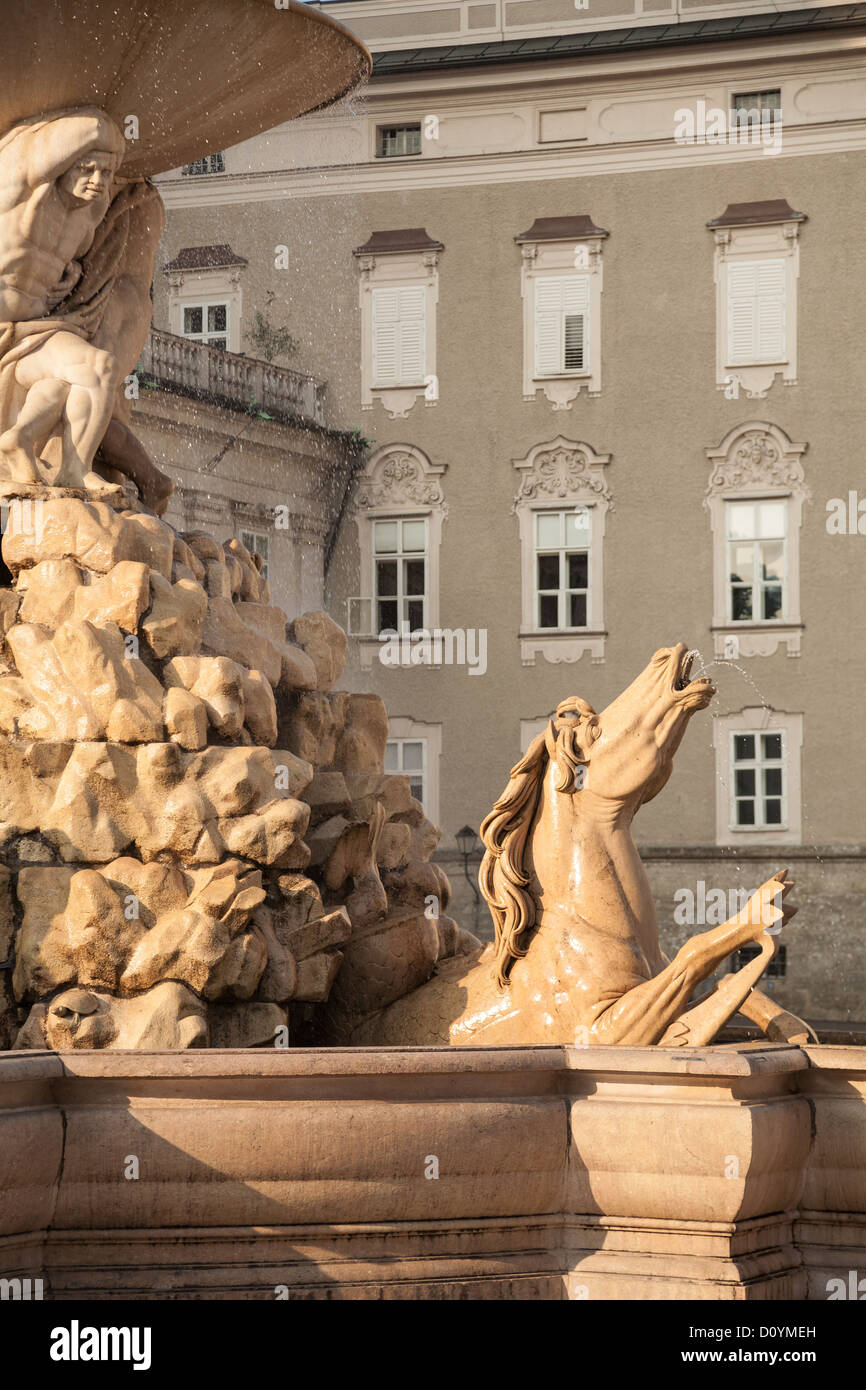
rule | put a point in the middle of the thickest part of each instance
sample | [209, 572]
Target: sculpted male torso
[55, 188]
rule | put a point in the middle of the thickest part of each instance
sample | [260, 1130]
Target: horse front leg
[644, 1014]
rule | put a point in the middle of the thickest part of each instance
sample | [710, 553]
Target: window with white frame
[561, 284]
[562, 544]
[414, 750]
[398, 293]
[399, 509]
[758, 776]
[400, 573]
[206, 322]
[757, 296]
[755, 500]
[758, 779]
[757, 107]
[757, 265]
[407, 757]
[756, 533]
[561, 508]
[399, 335]
[256, 543]
[562, 325]
[396, 141]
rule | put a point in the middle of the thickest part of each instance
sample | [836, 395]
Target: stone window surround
[756, 460]
[756, 231]
[192, 285]
[403, 727]
[554, 476]
[398, 481]
[396, 259]
[549, 249]
[758, 719]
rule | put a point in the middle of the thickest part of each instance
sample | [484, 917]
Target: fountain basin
[490, 1173]
[198, 77]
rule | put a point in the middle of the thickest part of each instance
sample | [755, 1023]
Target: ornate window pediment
[561, 505]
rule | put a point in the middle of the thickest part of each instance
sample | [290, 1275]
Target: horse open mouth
[683, 679]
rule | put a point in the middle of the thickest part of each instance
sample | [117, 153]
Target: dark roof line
[595, 41]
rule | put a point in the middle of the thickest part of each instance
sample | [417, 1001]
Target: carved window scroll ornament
[560, 477]
[756, 462]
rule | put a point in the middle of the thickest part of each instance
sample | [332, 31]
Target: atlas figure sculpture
[77, 249]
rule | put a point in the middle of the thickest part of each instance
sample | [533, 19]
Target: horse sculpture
[576, 956]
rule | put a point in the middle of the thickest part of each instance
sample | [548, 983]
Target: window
[399, 509]
[758, 780]
[398, 336]
[751, 108]
[561, 283]
[756, 312]
[211, 164]
[414, 750]
[561, 325]
[398, 291]
[758, 776]
[407, 757]
[756, 560]
[400, 559]
[561, 507]
[755, 499]
[207, 323]
[394, 141]
[256, 543]
[757, 266]
[562, 569]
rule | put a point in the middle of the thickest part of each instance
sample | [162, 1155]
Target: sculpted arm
[47, 152]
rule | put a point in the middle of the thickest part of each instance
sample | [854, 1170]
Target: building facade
[589, 282]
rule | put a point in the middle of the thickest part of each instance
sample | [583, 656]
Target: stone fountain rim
[744, 1060]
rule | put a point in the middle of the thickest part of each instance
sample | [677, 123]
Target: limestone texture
[199, 845]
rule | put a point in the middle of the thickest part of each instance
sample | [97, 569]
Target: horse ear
[550, 739]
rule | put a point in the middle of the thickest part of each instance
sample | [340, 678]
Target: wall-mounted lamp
[466, 841]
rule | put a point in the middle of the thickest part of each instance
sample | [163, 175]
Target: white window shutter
[413, 334]
[558, 298]
[386, 353]
[771, 312]
[756, 312]
[399, 335]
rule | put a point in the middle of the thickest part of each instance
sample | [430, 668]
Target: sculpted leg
[89, 377]
[698, 1026]
[88, 412]
[644, 1014]
[121, 450]
[39, 417]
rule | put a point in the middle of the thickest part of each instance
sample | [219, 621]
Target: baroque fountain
[217, 948]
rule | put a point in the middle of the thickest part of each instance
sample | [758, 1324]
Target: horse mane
[504, 875]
